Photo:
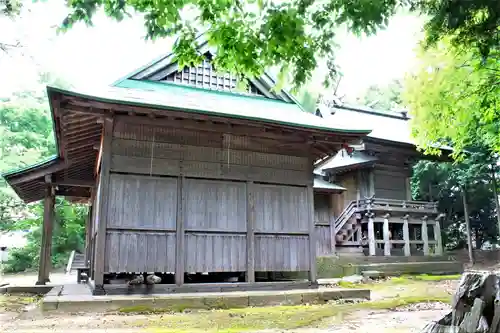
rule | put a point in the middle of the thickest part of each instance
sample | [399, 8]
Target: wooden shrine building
[373, 211]
[184, 174]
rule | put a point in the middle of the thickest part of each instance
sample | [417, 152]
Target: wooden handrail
[70, 262]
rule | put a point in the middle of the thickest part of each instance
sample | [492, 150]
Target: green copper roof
[47, 162]
[216, 103]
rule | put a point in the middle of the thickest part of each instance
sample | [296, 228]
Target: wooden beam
[100, 108]
[190, 124]
[312, 235]
[38, 172]
[250, 237]
[103, 208]
[73, 182]
[179, 233]
[46, 241]
[79, 192]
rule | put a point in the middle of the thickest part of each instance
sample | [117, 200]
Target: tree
[454, 98]
[443, 182]
[387, 97]
[294, 35]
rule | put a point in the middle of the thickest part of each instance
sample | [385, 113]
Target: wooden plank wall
[390, 184]
[146, 164]
[322, 224]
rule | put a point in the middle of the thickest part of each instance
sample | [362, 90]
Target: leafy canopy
[454, 98]
[252, 35]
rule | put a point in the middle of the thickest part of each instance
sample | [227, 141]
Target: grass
[277, 317]
[402, 280]
[15, 303]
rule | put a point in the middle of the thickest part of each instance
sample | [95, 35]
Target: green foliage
[454, 98]
[308, 100]
[294, 35]
[387, 97]
[68, 235]
[443, 182]
[26, 138]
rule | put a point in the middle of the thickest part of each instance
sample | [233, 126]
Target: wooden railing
[70, 262]
[370, 204]
[346, 214]
[398, 205]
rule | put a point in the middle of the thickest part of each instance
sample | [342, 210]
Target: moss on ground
[15, 303]
[276, 317]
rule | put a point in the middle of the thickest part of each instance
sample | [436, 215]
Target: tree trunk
[467, 224]
[495, 194]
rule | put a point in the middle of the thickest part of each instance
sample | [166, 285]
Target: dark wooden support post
[100, 248]
[333, 217]
[179, 233]
[88, 235]
[46, 243]
[312, 233]
[250, 273]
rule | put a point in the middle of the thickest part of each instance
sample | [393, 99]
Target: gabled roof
[78, 131]
[166, 65]
[342, 161]
[321, 185]
[385, 125]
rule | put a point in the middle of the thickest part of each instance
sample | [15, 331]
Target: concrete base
[78, 298]
[332, 267]
[36, 289]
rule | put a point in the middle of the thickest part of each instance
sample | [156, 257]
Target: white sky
[101, 54]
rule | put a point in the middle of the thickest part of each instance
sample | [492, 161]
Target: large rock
[476, 306]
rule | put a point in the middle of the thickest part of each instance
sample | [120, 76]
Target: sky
[98, 55]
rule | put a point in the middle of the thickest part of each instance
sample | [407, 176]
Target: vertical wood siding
[142, 202]
[322, 208]
[215, 252]
[139, 252]
[323, 240]
[281, 253]
[215, 205]
[281, 208]
[390, 185]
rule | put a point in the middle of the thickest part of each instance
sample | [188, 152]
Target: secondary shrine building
[371, 210]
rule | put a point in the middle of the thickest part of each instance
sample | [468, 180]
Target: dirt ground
[15, 317]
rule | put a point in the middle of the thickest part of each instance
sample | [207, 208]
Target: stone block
[267, 300]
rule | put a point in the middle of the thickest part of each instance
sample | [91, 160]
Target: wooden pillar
[387, 240]
[46, 241]
[333, 217]
[437, 236]
[312, 237]
[408, 189]
[179, 233]
[100, 245]
[371, 233]
[406, 235]
[88, 235]
[250, 273]
[425, 236]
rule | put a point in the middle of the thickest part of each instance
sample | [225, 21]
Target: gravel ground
[407, 319]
